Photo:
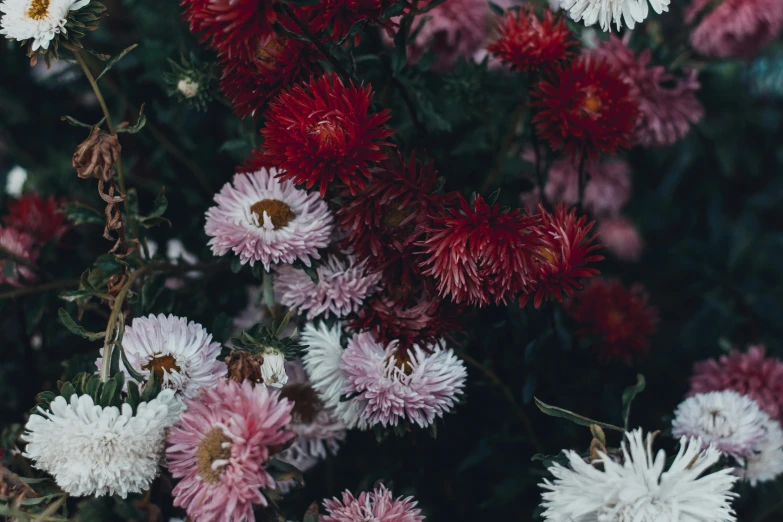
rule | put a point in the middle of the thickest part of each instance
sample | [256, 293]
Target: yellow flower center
[38, 9]
[215, 447]
[279, 212]
[161, 363]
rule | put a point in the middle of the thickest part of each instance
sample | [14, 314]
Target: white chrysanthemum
[607, 11]
[90, 450]
[322, 363]
[181, 352]
[767, 463]
[36, 20]
[419, 386]
[341, 287]
[260, 218]
[734, 423]
[639, 490]
[187, 87]
[273, 369]
[14, 181]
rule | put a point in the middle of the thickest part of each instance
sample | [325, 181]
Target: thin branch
[509, 395]
[52, 509]
[29, 290]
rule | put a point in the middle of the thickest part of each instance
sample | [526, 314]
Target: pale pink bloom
[375, 506]
[318, 431]
[262, 219]
[607, 190]
[667, 104]
[734, 27]
[751, 374]
[21, 245]
[340, 290]
[219, 447]
[417, 384]
[622, 238]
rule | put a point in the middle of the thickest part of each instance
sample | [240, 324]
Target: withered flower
[96, 156]
[244, 366]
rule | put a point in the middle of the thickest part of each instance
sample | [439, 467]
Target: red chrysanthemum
[564, 250]
[340, 15]
[480, 252]
[585, 108]
[620, 320]
[526, 43]
[384, 220]
[419, 319]
[321, 130]
[278, 62]
[36, 216]
[232, 27]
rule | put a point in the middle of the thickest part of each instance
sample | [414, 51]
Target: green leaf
[236, 265]
[67, 391]
[114, 368]
[495, 8]
[116, 59]
[628, 396]
[140, 123]
[74, 328]
[311, 515]
[554, 411]
[128, 367]
[109, 389]
[133, 395]
[283, 471]
[91, 388]
[151, 388]
[76, 123]
[151, 222]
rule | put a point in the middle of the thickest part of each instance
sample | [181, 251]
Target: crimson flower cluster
[526, 43]
[37, 216]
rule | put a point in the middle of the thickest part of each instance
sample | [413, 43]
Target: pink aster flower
[734, 27]
[218, 449]
[667, 104]
[318, 430]
[415, 384]
[260, 218]
[19, 244]
[621, 238]
[377, 505]
[340, 290]
[607, 191]
[751, 374]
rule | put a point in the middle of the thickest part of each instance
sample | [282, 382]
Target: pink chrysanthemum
[317, 428]
[565, 248]
[22, 246]
[734, 27]
[621, 238]
[341, 288]
[667, 104]
[751, 374]
[607, 190]
[377, 506]
[479, 252]
[415, 384]
[262, 219]
[218, 449]
[322, 130]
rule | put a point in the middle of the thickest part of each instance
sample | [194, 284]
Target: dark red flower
[36, 216]
[250, 84]
[526, 43]
[585, 108]
[480, 252]
[321, 130]
[563, 251]
[340, 15]
[232, 27]
[384, 220]
[619, 319]
[420, 319]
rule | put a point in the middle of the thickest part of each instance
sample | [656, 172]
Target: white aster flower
[607, 11]
[181, 352]
[90, 450]
[260, 218]
[341, 287]
[639, 490]
[322, 363]
[767, 463]
[187, 87]
[273, 369]
[36, 20]
[14, 181]
[734, 423]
